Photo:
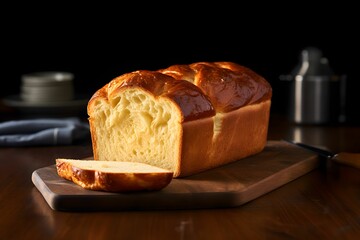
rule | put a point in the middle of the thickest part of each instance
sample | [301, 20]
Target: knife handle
[350, 159]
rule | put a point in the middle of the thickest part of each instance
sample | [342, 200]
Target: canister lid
[312, 63]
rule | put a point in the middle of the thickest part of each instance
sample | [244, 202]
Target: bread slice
[112, 176]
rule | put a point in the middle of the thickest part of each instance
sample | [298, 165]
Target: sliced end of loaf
[136, 126]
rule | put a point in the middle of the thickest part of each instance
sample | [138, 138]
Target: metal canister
[317, 94]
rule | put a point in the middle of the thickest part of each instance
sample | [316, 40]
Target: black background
[98, 43]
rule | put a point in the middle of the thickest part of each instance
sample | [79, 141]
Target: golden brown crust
[243, 133]
[208, 87]
[228, 85]
[193, 103]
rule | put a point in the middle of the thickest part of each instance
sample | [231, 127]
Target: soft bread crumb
[140, 127]
[114, 167]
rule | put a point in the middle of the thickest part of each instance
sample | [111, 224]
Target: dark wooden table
[323, 204]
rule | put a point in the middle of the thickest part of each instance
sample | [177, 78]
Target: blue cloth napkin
[43, 131]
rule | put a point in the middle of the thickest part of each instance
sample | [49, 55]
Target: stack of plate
[45, 94]
[41, 87]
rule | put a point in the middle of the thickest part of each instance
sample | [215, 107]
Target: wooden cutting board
[227, 186]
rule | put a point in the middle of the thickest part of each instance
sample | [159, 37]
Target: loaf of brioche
[112, 176]
[184, 118]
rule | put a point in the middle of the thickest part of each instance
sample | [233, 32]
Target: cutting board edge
[309, 164]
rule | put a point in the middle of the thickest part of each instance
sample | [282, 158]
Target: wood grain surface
[227, 186]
